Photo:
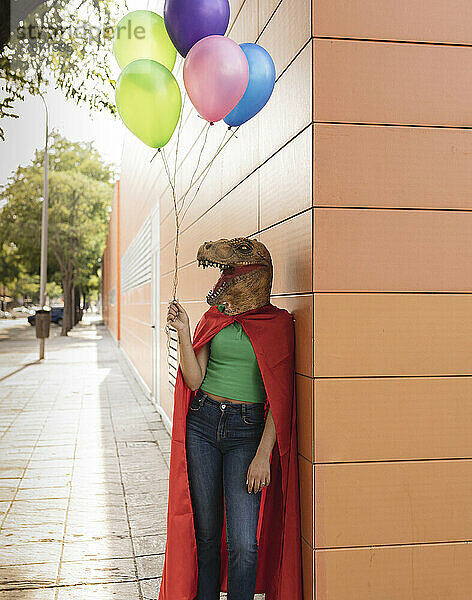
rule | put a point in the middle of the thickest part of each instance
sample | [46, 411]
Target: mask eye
[244, 249]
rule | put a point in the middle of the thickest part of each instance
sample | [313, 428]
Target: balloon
[143, 34]
[149, 101]
[188, 21]
[259, 88]
[216, 73]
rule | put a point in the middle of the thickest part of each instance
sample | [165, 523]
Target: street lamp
[44, 231]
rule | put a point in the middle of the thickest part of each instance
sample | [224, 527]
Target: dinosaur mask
[246, 273]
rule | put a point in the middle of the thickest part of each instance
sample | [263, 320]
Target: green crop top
[232, 370]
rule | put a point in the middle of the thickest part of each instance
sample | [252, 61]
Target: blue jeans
[221, 441]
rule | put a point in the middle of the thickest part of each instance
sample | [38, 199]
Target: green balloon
[143, 34]
[149, 101]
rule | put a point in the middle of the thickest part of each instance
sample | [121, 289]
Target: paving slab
[83, 481]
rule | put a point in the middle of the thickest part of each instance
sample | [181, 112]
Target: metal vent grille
[172, 358]
[136, 261]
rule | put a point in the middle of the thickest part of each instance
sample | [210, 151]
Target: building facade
[356, 176]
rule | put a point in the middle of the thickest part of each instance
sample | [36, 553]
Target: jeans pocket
[253, 415]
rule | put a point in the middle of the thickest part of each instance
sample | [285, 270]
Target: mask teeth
[211, 295]
[210, 263]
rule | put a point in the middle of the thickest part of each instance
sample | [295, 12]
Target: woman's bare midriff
[221, 399]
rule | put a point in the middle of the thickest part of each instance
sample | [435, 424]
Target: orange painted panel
[200, 198]
[193, 283]
[287, 32]
[288, 243]
[437, 21]
[301, 307]
[195, 311]
[289, 109]
[245, 26]
[285, 186]
[166, 287]
[393, 334]
[110, 271]
[308, 560]
[413, 167]
[398, 250]
[396, 418]
[442, 571]
[266, 10]
[167, 258]
[240, 156]
[139, 187]
[196, 150]
[366, 504]
[136, 337]
[304, 395]
[306, 473]
[421, 84]
[235, 6]
[233, 216]
[167, 230]
[197, 145]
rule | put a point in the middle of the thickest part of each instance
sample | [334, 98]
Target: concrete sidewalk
[83, 476]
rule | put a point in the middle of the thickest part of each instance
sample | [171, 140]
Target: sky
[27, 133]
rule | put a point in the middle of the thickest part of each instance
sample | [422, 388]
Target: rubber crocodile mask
[246, 273]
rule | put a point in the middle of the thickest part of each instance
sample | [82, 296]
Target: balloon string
[178, 137]
[206, 170]
[177, 224]
[167, 328]
[184, 196]
[201, 177]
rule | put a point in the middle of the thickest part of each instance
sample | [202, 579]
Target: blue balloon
[259, 88]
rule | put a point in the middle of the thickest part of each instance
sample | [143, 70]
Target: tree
[80, 195]
[57, 42]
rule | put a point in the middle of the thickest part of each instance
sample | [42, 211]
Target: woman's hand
[258, 472]
[177, 317]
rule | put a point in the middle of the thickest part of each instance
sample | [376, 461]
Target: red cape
[279, 573]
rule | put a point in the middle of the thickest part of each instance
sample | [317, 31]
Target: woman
[229, 435]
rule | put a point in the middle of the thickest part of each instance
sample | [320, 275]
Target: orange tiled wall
[259, 186]
[392, 304]
[111, 288]
[138, 197]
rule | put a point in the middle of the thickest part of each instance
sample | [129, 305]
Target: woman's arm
[268, 437]
[193, 366]
[259, 469]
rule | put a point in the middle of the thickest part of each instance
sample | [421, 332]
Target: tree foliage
[80, 196]
[60, 43]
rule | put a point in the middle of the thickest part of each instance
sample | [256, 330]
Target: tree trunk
[72, 307]
[76, 305]
[67, 284]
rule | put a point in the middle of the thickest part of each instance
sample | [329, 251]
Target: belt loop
[243, 410]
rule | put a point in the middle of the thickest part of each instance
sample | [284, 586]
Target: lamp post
[44, 228]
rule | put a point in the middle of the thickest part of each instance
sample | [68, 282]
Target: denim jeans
[221, 441]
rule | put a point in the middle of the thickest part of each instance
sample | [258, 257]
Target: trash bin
[42, 320]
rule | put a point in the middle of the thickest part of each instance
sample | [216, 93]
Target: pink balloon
[216, 74]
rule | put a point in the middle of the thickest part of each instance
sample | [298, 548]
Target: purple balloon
[188, 21]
